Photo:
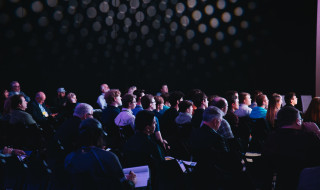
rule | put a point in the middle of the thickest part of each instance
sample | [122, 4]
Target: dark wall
[48, 44]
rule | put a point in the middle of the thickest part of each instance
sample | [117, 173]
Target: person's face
[205, 102]
[6, 94]
[133, 104]
[247, 100]
[161, 106]
[104, 88]
[153, 104]
[61, 94]
[16, 87]
[73, 99]
[190, 110]
[294, 100]
[164, 89]
[266, 101]
[237, 95]
[23, 105]
[118, 100]
[279, 103]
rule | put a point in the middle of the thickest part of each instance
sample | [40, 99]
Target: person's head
[139, 94]
[159, 102]
[18, 102]
[129, 101]
[104, 88]
[132, 89]
[212, 116]
[233, 103]
[220, 103]
[185, 106]
[275, 101]
[289, 116]
[245, 98]
[164, 89]
[113, 97]
[313, 111]
[91, 133]
[72, 98]
[40, 97]
[230, 93]
[291, 98]
[61, 92]
[165, 97]
[200, 100]
[255, 94]
[175, 97]
[145, 122]
[83, 111]
[148, 102]
[262, 101]
[15, 86]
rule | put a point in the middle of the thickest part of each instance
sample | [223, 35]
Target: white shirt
[243, 111]
[101, 101]
[125, 117]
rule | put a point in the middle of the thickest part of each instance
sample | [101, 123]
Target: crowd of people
[87, 148]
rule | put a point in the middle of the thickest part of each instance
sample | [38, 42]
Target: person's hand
[132, 177]
[17, 152]
[311, 127]
[165, 144]
[54, 114]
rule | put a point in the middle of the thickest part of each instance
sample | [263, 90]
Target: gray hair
[82, 109]
[212, 112]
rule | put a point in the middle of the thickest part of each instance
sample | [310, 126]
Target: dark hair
[143, 118]
[111, 94]
[184, 105]
[190, 94]
[288, 97]
[242, 97]
[272, 108]
[15, 101]
[127, 99]
[230, 93]
[198, 98]
[139, 93]
[260, 99]
[255, 94]
[174, 97]
[146, 100]
[313, 111]
[91, 133]
[231, 99]
[218, 102]
[158, 100]
[287, 116]
[165, 97]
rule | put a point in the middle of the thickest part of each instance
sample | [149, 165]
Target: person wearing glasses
[15, 90]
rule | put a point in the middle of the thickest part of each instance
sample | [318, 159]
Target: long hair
[273, 108]
[313, 111]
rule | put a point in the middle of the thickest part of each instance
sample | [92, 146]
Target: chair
[243, 133]
[259, 131]
[309, 179]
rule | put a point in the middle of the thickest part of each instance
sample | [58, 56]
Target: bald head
[40, 97]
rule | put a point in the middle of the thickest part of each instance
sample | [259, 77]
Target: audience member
[291, 99]
[15, 90]
[39, 110]
[245, 101]
[139, 94]
[225, 129]
[92, 167]
[125, 117]
[101, 101]
[148, 103]
[166, 105]
[159, 106]
[230, 116]
[273, 108]
[260, 111]
[313, 112]
[68, 110]
[200, 100]
[18, 114]
[255, 94]
[290, 148]
[164, 89]
[60, 101]
[4, 96]
[132, 89]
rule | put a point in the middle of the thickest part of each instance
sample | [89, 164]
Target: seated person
[15, 90]
[260, 111]
[18, 114]
[92, 167]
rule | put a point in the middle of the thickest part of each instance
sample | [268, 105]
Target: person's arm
[312, 127]
[17, 152]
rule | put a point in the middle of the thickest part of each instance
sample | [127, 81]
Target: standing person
[15, 89]
[101, 101]
[313, 112]
[273, 108]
